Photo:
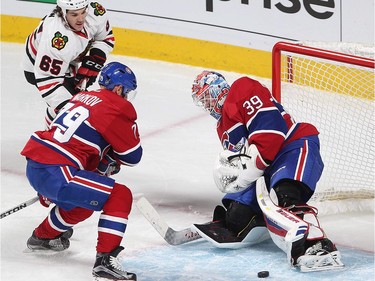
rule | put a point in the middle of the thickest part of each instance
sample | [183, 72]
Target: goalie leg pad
[240, 218]
[291, 193]
[292, 234]
[216, 233]
[219, 213]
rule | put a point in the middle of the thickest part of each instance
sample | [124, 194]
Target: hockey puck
[263, 274]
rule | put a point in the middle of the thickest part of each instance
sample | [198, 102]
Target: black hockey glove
[90, 68]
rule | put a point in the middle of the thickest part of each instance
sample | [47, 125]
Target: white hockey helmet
[72, 4]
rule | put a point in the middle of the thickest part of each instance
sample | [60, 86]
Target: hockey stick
[171, 236]
[82, 87]
[19, 207]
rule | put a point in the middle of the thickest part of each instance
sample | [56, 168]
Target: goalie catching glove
[236, 171]
[90, 68]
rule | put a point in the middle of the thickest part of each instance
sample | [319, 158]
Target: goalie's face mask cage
[209, 91]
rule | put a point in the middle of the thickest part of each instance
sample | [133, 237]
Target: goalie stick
[19, 207]
[171, 236]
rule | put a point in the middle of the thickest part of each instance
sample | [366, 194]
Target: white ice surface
[175, 174]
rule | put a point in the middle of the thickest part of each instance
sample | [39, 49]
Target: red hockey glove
[44, 201]
[90, 68]
[108, 166]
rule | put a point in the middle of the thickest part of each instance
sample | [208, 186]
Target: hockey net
[332, 87]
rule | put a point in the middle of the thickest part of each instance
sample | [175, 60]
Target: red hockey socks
[114, 218]
[60, 220]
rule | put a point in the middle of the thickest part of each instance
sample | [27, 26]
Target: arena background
[232, 35]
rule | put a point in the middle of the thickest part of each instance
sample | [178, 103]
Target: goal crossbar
[309, 51]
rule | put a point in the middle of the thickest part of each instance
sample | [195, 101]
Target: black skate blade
[132, 277]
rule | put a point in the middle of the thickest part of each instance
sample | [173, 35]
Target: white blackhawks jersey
[53, 50]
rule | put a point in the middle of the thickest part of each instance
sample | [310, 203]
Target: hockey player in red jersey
[70, 164]
[261, 139]
[65, 53]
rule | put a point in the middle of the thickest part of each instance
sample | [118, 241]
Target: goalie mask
[209, 91]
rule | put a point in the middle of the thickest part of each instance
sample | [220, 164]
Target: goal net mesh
[336, 95]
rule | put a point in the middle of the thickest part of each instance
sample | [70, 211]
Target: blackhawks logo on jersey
[98, 9]
[59, 41]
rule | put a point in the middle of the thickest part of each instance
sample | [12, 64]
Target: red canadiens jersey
[53, 50]
[252, 113]
[85, 129]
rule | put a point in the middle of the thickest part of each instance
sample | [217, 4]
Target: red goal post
[333, 90]
[312, 52]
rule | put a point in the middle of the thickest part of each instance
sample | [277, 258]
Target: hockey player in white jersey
[65, 53]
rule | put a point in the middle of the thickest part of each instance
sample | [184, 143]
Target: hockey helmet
[115, 74]
[209, 92]
[72, 4]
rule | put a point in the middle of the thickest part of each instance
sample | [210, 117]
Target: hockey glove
[90, 68]
[44, 201]
[108, 165]
[234, 172]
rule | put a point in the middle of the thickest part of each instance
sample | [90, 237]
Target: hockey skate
[59, 243]
[108, 267]
[67, 234]
[321, 256]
